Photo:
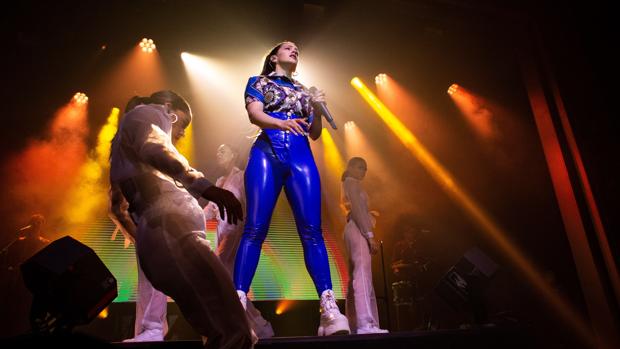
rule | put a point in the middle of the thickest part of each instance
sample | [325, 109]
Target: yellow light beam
[444, 178]
[333, 159]
[104, 139]
[90, 193]
[185, 145]
[104, 313]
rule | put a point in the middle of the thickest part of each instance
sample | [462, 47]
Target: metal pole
[385, 288]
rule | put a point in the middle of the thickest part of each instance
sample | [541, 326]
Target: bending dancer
[361, 305]
[229, 235]
[160, 189]
[281, 157]
[151, 305]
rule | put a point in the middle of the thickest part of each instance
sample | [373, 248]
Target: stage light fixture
[147, 45]
[453, 89]
[80, 98]
[381, 79]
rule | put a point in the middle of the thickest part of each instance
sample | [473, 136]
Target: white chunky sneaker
[370, 328]
[154, 335]
[332, 321]
[243, 298]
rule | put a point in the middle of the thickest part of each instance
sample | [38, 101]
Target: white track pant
[228, 238]
[361, 303]
[177, 260]
[151, 307]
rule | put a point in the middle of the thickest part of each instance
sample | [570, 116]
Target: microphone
[324, 110]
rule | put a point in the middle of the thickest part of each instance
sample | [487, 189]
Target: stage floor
[453, 339]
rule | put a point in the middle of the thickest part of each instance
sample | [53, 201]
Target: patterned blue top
[282, 97]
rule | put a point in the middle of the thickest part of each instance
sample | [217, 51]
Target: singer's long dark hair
[268, 65]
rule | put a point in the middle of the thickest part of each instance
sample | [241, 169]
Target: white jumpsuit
[161, 189]
[361, 303]
[151, 307]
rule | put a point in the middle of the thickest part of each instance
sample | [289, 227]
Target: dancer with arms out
[150, 324]
[160, 189]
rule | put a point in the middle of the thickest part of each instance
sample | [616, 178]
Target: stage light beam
[333, 158]
[444, 178]
[89, 194]
[185, 145]
[104, 313]
[201, 68]
[475, 111]
[283, 306]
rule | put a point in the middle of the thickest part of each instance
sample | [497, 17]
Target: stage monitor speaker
[69, 283]
[462, 287]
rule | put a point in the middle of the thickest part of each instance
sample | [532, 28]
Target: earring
[176, 117]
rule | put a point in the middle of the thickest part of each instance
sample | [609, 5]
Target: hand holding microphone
[318, 97]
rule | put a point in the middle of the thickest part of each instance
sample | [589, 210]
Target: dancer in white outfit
[151, 305]
[229, 235]
[153, 185]
[361, 303]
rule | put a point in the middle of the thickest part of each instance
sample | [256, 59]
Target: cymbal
[402, 265]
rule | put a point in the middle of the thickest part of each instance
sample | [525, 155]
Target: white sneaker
[332, 321]
[254, 337]
[368, 329]
[154, 335]
[243, 298]
[263, 329]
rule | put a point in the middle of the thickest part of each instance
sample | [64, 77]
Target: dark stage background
[55, 50]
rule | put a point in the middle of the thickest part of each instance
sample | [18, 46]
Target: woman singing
[281, 157]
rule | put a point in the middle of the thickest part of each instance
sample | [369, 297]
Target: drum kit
[406, 291]
[403, 292]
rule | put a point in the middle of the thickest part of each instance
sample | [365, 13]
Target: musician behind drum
[407, 261]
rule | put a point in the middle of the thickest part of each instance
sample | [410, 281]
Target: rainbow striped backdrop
[281, 272]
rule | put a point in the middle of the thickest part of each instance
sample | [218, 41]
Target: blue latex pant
[284, 160]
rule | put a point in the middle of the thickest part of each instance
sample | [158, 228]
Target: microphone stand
[385, 288]
[4, 263]
[5, 249]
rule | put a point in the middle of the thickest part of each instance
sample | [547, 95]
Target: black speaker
[462, 287]
[69, 283]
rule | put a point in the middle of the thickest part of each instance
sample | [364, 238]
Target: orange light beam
[445, 180]
[475, 111]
